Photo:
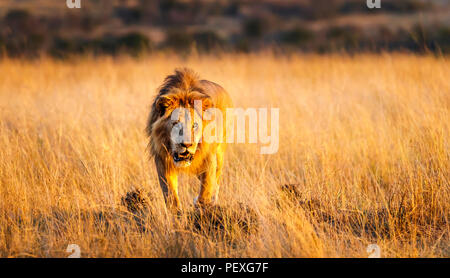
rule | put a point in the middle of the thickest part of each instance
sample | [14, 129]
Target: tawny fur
[180, 90]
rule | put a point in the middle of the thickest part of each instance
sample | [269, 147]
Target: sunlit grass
[365, 138]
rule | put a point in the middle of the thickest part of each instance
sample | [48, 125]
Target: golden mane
[181, 89]
[184, 79]
[180, 84]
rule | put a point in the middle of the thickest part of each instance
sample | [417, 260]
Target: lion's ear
[164, 103]
[207, 103]
[206, 100]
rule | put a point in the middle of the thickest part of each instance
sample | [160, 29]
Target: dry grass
[364, 139]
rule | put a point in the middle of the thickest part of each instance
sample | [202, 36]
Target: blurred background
[31, 28]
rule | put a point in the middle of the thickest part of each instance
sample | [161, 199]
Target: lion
[175, 129]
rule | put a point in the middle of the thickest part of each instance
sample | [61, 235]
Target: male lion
[175, 127]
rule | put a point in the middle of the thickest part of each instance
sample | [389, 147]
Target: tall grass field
[363, 159]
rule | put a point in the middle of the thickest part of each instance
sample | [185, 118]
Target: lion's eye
[195, 125]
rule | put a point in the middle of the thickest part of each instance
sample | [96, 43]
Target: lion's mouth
[186, 156]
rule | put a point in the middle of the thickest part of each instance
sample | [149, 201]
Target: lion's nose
[184, 154]
[186, 145]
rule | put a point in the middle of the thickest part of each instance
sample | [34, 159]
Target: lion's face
[179, 127]
[185, 129]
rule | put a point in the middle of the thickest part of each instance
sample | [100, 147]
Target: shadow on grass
[218, 224]
[223, 223]
[396, 219]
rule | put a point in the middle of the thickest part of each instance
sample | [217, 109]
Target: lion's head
[175, 123]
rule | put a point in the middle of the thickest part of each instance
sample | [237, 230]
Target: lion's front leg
[208, 182]
[220, 161]
[168, 180]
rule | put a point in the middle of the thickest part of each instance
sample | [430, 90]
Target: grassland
[365, 139]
